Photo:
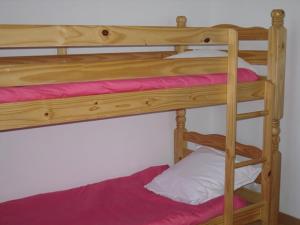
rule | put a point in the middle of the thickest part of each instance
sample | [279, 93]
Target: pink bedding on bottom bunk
[53, 91]
[113, 202]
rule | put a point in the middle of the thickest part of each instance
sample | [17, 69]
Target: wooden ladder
[232, 118]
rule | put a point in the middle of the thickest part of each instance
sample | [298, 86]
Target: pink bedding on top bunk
[53, 91]
[120, 201]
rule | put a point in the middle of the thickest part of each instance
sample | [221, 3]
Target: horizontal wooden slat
[56, 111]
[252, 57]
[249, 162]
[85, 58]
[251, 115]
[68, 72]
[255, 57]
[242, 216]
[249, 195]
[247, 33]
[20, 36]
[218, 142]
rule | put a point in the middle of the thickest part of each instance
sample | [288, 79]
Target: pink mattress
[113, 202]
[53, 91]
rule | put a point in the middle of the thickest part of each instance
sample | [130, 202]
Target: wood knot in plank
[206, 40]
[150, 101]
[48, 114]
[105, 32]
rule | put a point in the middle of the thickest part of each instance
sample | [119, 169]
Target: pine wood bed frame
[33, 70]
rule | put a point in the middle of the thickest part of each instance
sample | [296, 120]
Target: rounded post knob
[277, 17]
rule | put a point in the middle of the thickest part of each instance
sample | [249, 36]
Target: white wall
[59, 157]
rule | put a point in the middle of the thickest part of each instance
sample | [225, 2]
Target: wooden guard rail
[39, 36]
[36, 72]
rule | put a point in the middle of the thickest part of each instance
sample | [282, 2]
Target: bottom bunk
[112, 202]
[136, 199]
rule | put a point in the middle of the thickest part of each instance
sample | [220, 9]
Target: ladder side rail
[230, 126]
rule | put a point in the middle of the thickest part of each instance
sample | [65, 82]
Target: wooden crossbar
[218, 142]
[249, 162]
[55, 111]
[33, 36]
[251, 115]
[34, 73]
[247, 33]
[256, 57]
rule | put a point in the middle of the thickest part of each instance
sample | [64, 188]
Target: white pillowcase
[210, 53]
[199, 177]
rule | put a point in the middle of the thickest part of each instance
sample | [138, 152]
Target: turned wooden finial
[179, 142]
[277, 17]
[181, 21]
[180, 118]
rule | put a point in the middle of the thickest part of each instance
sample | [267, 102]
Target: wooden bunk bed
[40, 70]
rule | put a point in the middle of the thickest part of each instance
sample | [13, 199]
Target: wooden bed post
[179, 143]
[276, 73]
[181, 22]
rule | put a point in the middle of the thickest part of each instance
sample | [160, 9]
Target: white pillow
[210, 53]
[199, 177]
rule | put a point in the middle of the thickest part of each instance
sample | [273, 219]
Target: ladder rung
[249, 162]
[244, 116]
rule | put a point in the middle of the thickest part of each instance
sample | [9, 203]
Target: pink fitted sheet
[53, 91]
[120, 201]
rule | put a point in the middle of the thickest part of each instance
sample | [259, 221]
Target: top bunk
[29, 72]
